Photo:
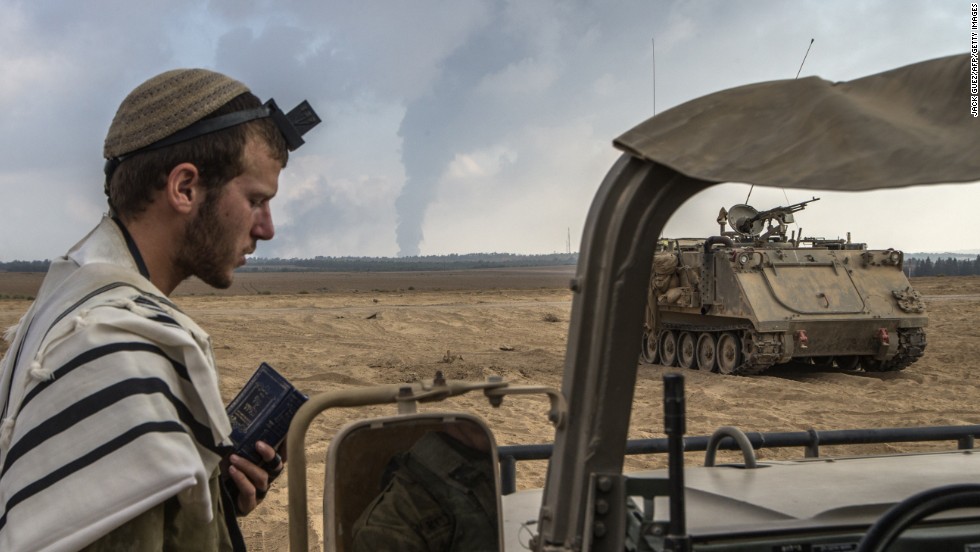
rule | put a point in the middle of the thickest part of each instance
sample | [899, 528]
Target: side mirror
[415, 478]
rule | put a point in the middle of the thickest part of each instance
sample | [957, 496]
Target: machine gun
[747, 221]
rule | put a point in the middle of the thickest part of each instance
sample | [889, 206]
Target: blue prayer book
[262, 411]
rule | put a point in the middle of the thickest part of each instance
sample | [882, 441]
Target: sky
[456, 126]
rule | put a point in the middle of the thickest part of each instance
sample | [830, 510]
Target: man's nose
[264, 229]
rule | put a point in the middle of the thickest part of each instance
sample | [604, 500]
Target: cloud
[442, 119]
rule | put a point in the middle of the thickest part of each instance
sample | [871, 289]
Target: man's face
[230, 221]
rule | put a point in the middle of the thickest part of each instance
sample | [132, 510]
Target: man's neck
[153, 245]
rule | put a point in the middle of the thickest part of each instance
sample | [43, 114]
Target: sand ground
[333, 331]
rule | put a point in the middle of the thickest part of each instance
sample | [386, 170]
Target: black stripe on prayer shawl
[151, 298]
[83, 461]
[165, 319]
[95, 403]
[143, 300]
[162, 315]
[97, 353]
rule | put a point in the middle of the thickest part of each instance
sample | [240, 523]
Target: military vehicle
[758, 295]
[904, 127]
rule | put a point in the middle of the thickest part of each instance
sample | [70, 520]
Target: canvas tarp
[908, 126]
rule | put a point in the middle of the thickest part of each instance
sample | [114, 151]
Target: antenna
[804, 58]
[796, 77]
[568, 242]
[653, 44]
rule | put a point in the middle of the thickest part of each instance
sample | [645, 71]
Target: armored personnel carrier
[757, 295]
[905, 127]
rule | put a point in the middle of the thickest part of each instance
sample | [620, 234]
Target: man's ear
[183, 188]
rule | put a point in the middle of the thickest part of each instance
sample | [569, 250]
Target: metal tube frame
[627, 215]
[810, 441]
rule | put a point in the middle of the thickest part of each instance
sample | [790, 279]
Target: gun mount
[748, 223]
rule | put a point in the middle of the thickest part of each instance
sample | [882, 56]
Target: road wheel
[686, 350]
[648, 349]
[707, 350]
[668, 348]
[848, 362]
[729, 353]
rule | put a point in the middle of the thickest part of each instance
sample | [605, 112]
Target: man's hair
[218, 156]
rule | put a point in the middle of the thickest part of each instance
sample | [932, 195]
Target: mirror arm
[441, 389]
[559, 409]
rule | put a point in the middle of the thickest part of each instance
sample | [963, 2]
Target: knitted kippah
[166, 104]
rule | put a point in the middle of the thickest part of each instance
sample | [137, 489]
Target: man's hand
[253, 480]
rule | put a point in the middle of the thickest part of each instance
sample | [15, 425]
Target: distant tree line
[25, 266]
[949, 266]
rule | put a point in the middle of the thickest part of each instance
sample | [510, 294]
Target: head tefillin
[170, 108]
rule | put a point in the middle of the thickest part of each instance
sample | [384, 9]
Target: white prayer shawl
[110, 404]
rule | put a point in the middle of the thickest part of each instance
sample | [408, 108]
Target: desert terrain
[327, 331]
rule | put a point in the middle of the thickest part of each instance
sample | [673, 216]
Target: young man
[114, 435]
